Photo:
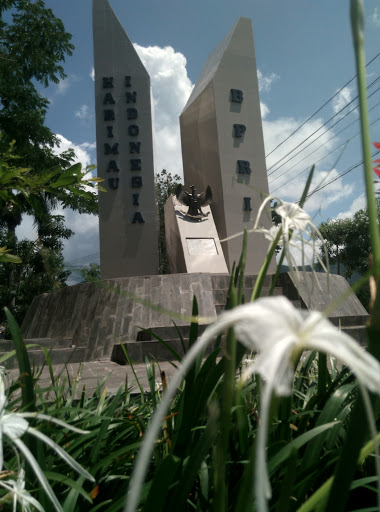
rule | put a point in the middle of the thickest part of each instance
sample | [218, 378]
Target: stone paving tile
[92, 373]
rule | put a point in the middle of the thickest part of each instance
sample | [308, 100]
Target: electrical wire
[319, 147]
[318, 129]
[350, 169]
[320, 108]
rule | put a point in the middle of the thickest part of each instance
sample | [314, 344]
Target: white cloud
[333, 193]
[92, 74]
[374, 17]
[83, 113]
[171, 88]
[86, 238]
[287, 173]
[265, 82]
[85, 241]
[86, 227]
[342, 99]
[26, 229]
[81, 150]
[264, 110]
[296, 250]
[357, 204]
[63, 86]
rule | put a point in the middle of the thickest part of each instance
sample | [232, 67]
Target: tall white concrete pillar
[222, 143]
[124, 135]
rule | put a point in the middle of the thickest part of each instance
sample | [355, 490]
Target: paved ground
[92, 374]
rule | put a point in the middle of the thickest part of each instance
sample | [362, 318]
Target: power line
[320, 108]
[94, 255]
[320, 146]
[316, 131]
[353, 167]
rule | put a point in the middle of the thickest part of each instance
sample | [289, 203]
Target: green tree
[41, 269]
[166, 184]
[335, 233]
[33, 46]
[349, 247]
[90, 272]
[33, 43]
[21, 191]
[348, 242]
[40, 263]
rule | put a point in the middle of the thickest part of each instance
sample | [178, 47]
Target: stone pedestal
[192, 245]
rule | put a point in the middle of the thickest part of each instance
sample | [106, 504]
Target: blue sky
[304, 56]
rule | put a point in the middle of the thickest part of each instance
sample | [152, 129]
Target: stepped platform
[91, 321]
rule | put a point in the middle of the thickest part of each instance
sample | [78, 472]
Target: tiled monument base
[89, 321]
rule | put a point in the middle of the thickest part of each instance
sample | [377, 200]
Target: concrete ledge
[57, 356]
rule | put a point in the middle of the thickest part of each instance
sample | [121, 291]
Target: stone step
[219, 308]
[57, 356]
[222, 281]
[138, 350]
[48, 343]
[166, 333]
[349, 321]
[358, 332]
[153, 349]
[220, 295]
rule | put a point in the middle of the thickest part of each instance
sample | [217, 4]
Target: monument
[222, 143]
[222, 146]
[124, 135]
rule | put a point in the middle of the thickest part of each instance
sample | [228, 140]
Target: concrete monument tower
[222, 143]
[124, 135]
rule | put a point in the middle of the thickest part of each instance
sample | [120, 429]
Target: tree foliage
[166, 184]
[335, 234]
[90, 272]
[33, 43]
[348, 242]
[349, 247]
[33, 46]
[41, 268]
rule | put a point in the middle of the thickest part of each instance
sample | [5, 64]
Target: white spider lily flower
[298, 234]
[20, 495]
[278, 332]
[293, 219]
[13, 426]
[294, 216]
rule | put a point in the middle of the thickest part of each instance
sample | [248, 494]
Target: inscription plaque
[201, 246]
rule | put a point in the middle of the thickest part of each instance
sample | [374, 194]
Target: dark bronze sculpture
[193, 200]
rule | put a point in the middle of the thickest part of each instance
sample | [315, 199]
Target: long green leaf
[142, 394]
[296, 444]
[321, 494]
[164, 475]
[57, 477]
[329, 413]
[193, 464]
[26, 380]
